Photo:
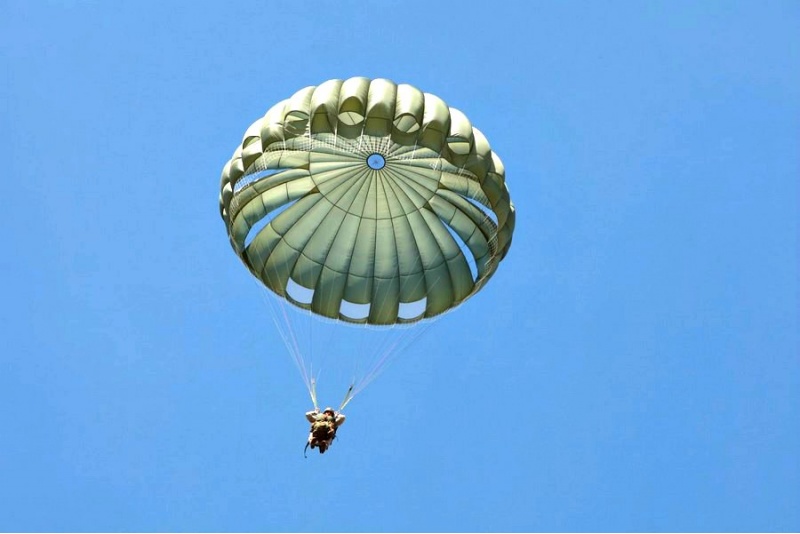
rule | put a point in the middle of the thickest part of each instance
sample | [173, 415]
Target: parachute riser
[347, 397]
[313, 391]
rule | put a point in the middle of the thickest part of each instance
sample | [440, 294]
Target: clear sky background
[632, 366]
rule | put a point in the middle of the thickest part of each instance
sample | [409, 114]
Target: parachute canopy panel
[367, 201]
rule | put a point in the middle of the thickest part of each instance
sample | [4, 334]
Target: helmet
[328, 410]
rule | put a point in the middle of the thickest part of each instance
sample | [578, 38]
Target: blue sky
[632, 366]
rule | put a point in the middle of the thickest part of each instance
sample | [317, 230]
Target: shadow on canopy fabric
[368, 202]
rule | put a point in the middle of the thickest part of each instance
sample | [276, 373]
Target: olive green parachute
[367, 201]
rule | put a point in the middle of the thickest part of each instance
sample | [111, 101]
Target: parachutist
[323, 428]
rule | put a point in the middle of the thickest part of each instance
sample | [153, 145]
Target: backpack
[323, 430]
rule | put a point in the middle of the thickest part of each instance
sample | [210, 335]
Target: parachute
[367, 202]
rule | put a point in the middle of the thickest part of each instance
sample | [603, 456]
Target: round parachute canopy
[368, 202]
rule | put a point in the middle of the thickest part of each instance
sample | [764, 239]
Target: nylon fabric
[430, 226]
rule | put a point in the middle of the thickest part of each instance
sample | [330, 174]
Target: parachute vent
[412, 310]
[465, 250]
[298, 293]
[262, 223]
[351, 310]
[487, 211]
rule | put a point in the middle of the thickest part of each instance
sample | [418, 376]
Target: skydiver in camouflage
[323, 428]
